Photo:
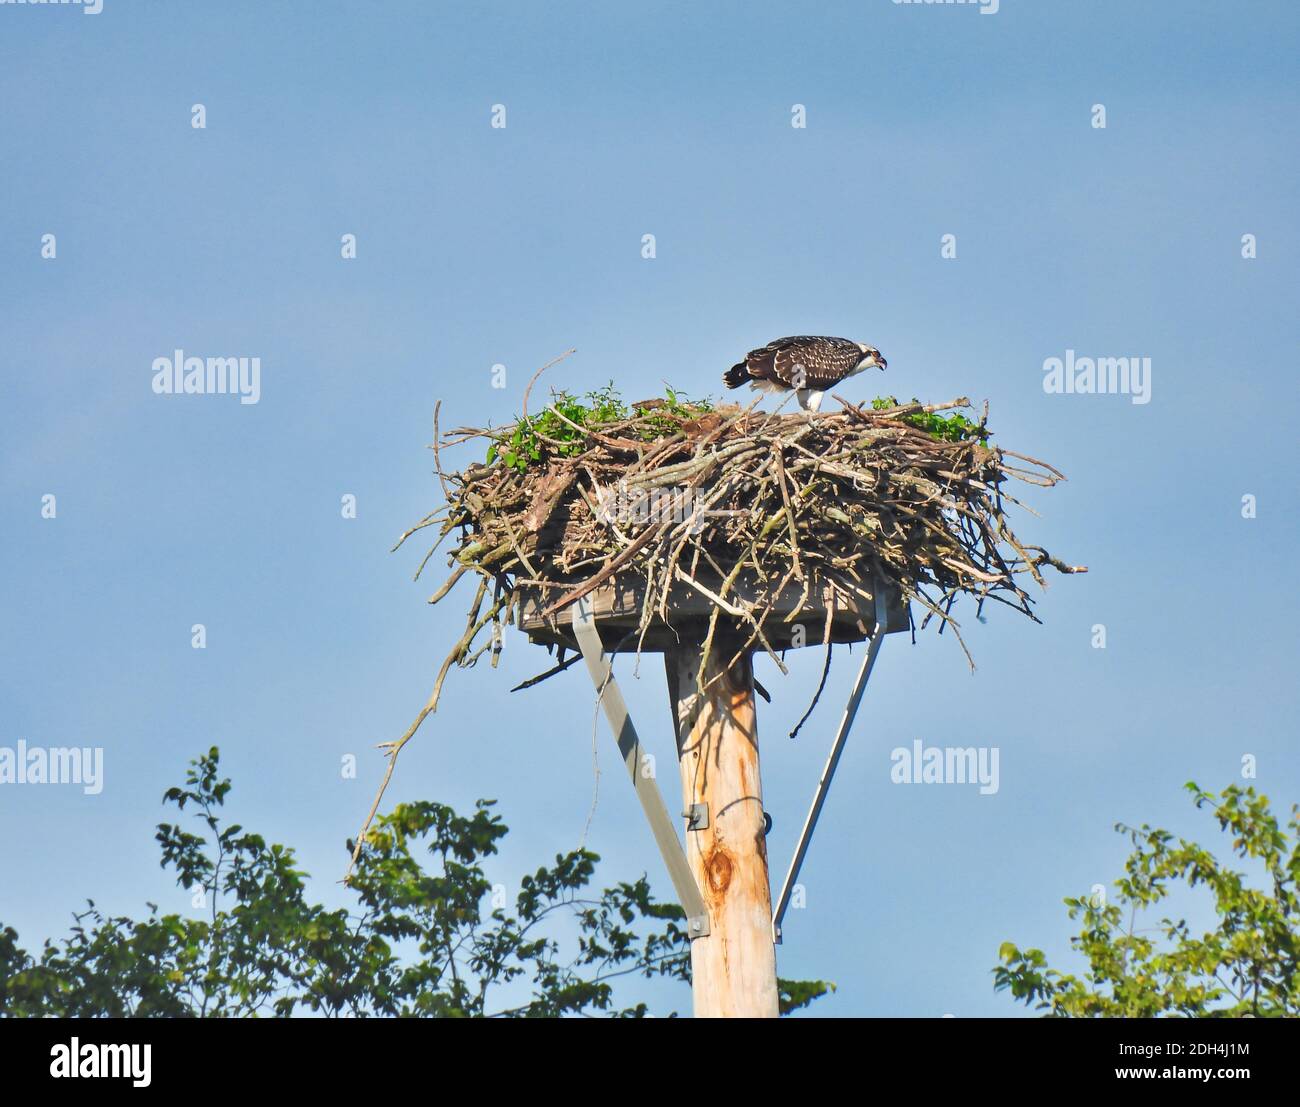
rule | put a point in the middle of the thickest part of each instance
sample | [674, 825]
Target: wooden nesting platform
[616, 607]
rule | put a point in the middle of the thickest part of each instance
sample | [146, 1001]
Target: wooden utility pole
[721, 878]
[734, 966]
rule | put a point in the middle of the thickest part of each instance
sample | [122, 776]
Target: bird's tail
[737, 375]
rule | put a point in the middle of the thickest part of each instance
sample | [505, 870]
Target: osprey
[808, 364]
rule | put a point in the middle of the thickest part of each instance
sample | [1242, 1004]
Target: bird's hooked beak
[871, 356]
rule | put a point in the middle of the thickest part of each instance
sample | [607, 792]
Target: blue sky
[479, 246]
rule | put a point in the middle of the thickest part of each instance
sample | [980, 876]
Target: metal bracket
[647, 791]
[824, 784]
[697, 816]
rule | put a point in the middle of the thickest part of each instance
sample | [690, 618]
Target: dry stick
[552, 671]
[702, 460]
[803, 596]
[1033, 461]
[1011, 538]
[742, 612]
[826, 669]
[700, 683]
[553, 361]
[1004, 495]
[1030, 477]
[425, 560]
[392, 749]
[668, 447]
[514, 541]
[651, 587]
[971, 571]
[1044, 558]
[437, 454]
[685, 539]
[427, 521]
[871, 416]
[559, 479]
[761, 618]
[707, 648]
[594, 582]
[789, 511]
[459, 572]
[730, 609]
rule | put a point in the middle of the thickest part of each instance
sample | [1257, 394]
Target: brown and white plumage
[808, 364]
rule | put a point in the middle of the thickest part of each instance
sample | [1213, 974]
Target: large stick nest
[670, 491]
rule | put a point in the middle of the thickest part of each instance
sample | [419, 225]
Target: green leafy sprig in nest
[563, 429]
[951, 428]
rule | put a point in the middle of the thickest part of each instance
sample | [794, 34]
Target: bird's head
[871, 358]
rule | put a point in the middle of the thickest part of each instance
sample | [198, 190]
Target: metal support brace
[824, 784]
[647, 791]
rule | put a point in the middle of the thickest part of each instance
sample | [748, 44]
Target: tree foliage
[436, 940]
[1249, 964]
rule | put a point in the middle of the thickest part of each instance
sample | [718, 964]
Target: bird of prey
[809, 364]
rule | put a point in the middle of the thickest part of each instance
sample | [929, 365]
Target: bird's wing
[825, 361]
[761, 363]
